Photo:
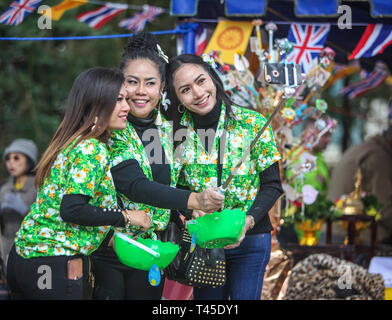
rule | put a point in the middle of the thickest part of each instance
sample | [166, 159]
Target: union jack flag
[18, 11]
[308, 41]
[97, 18]
[139, 20]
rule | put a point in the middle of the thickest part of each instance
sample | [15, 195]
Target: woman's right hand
[209, 200]
[137, 218]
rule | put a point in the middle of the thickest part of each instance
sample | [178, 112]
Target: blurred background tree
[36, 76]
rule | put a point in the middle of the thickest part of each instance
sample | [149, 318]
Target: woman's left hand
[198, 213]
[247, 226]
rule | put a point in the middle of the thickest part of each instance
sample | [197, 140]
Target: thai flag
[200, 39]
[372, 81]
[139, 20]
[97, 18]
[373, 41]
[18, 11]
[308, 42]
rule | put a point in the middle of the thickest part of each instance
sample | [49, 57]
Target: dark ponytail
[143, 45]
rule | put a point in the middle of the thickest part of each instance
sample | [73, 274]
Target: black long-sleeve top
[130, 180]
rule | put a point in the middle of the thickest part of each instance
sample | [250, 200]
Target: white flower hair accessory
[210, 60]
[165, 101]
[162, 54]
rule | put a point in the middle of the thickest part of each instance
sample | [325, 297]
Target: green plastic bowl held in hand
[217, 229]
[144, 253]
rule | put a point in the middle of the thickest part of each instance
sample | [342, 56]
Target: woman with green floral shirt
[217, 133]
[144, 170]
[76, 201]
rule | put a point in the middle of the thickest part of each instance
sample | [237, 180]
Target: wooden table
[340, 250]
[351, 220]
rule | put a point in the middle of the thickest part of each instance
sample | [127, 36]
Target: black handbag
[199, 268]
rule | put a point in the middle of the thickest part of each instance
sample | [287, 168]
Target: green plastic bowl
[135, 257]
[217, 229]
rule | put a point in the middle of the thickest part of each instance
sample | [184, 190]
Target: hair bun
[142, 41]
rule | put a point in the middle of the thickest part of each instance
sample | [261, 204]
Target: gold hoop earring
[179, 108]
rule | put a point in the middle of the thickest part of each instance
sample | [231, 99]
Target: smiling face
[195, 88]
[118, 118]
[144, 86]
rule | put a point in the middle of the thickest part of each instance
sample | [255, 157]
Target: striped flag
[97, 18]
[375, 78]
[139, 20]
[200, 39]
[18, 11]
[373, 41]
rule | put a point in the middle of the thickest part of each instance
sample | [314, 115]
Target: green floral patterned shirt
[125, 145]
[84, 170]
[199, 170]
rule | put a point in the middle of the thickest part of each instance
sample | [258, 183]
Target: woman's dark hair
[143, 46]
[89, 106]
[174, 64]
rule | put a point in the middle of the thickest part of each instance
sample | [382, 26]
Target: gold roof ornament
[353, 204]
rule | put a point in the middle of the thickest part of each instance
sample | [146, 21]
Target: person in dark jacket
[18, 193]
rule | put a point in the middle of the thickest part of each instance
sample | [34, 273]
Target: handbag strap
[221, 147]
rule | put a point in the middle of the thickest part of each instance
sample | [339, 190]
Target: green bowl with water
[144, 253]
[218, 229]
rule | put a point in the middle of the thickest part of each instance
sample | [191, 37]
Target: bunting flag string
[112, 36]
[20, 9]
